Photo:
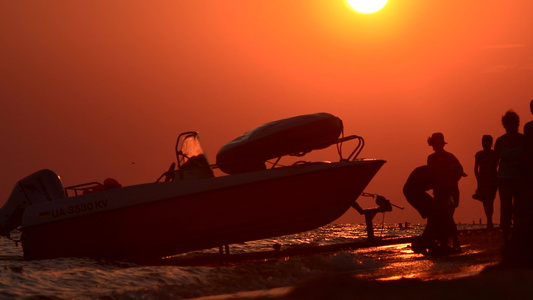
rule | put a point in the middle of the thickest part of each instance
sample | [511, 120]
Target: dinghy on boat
[189, 208]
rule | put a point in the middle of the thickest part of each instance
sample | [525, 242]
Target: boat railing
[83, 188]
[357, 149]
[360, 143]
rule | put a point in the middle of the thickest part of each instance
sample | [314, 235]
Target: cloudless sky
[97, 89]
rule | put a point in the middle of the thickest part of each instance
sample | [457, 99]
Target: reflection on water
[69, 278]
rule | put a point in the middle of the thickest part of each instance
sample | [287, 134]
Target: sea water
[83, 278]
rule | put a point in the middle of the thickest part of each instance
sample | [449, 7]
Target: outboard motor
[44, 185]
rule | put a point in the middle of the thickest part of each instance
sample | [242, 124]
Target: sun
[367, 6]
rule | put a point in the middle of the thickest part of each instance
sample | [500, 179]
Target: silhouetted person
[486, 171]
[528, 222]
[528, 136]
[512, 171]
[416, 193]
[517, 251]
[528, 143]
[446, 172]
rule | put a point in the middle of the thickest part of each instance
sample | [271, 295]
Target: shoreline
[475, 273]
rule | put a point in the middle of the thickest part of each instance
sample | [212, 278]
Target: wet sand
[480, 249]
[473, 274]
[494, 284]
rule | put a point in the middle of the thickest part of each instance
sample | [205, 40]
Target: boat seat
[196, 167]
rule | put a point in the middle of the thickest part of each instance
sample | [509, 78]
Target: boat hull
[228, 209]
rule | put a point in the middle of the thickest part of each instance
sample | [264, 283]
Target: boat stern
[44, 185]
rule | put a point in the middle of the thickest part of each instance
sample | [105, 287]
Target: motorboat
[190, 208]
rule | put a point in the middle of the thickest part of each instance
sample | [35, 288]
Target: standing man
[446, 171]
[528, 137]
[518, 251]
[512, 173]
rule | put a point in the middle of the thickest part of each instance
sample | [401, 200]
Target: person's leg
[519, 193]
[488, 207]
[487, 198]
[518, 248]
[455, 234]
[506, 206]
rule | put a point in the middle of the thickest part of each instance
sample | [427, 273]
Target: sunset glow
[97, 99]
[367, 6]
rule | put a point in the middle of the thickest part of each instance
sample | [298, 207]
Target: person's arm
[476, 168]
[497, 150]
[528, 136]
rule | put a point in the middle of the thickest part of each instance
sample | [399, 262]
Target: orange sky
[96, 89]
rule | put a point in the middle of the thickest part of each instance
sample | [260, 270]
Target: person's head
[436, 141]
[511, 121]
[486, 141]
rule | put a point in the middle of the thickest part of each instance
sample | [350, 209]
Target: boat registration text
[74, 209]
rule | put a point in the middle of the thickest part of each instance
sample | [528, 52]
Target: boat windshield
[189, 145]
[190, 154]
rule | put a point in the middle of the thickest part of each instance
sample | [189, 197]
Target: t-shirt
[512, 159]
